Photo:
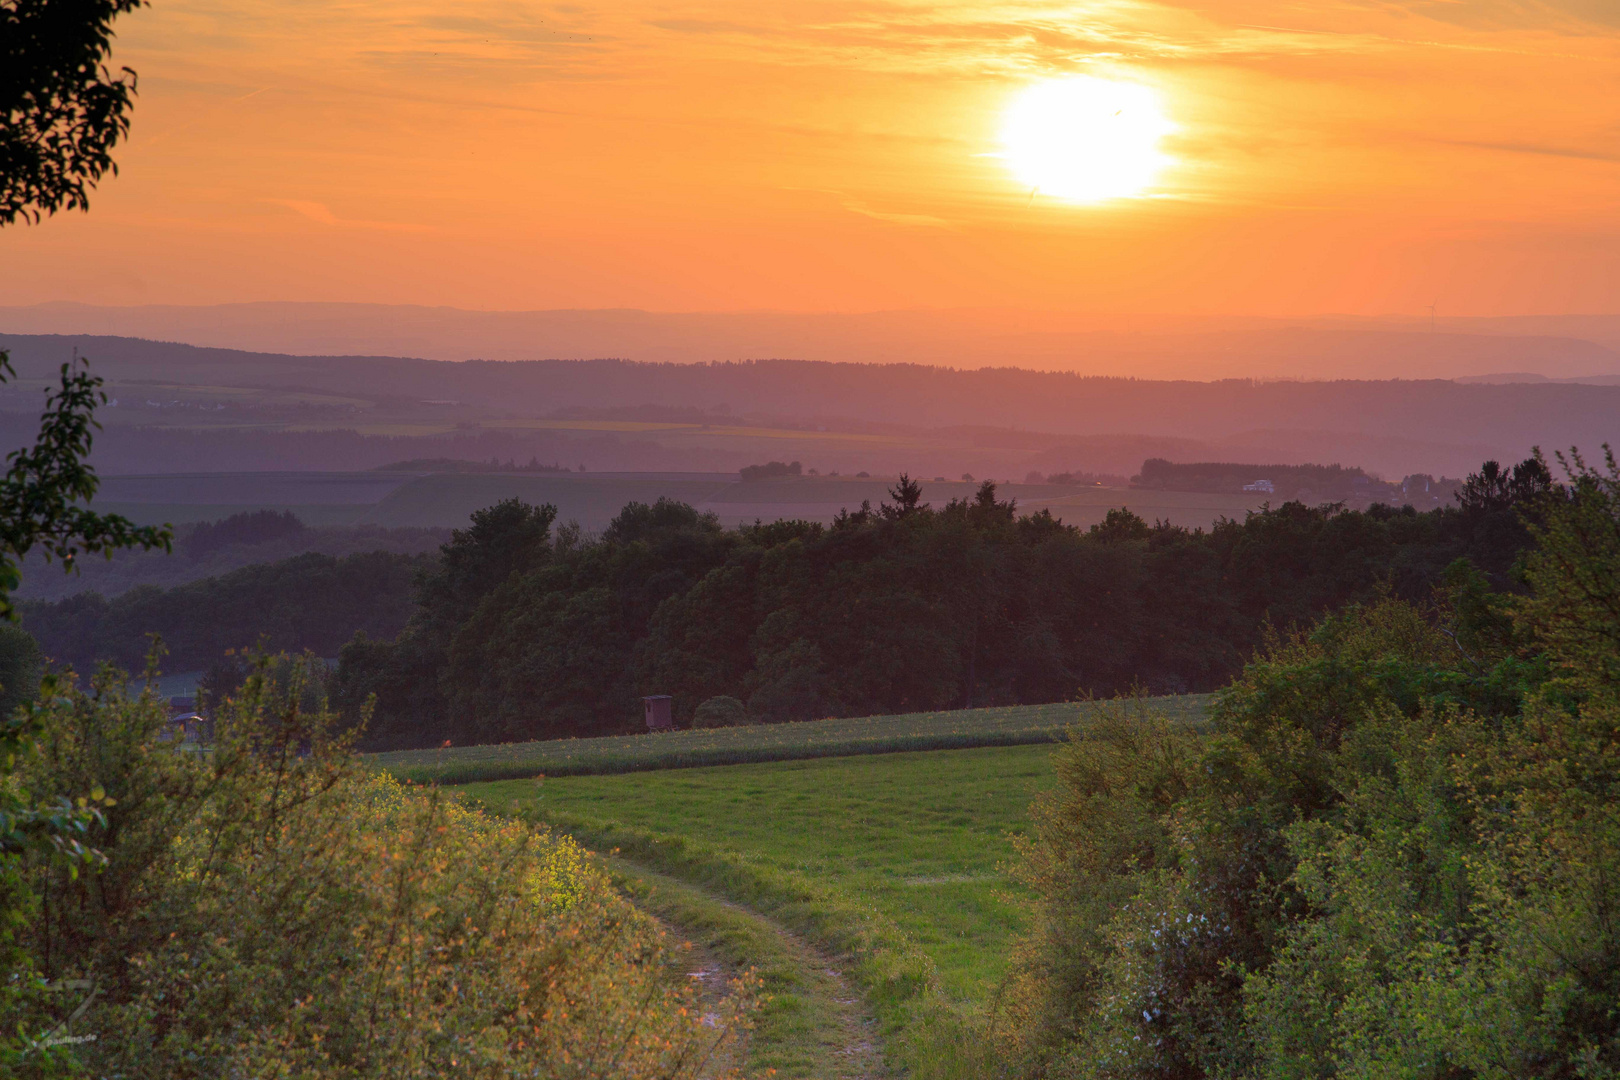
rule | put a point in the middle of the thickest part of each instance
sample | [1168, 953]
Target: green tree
[1575, 574]
[40, 506]
[21, 665]
[61, 110]
[907, 496]
[45, 487]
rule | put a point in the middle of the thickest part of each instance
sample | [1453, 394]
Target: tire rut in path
[815, 1025]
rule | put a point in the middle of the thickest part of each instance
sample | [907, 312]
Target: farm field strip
[1012, 725]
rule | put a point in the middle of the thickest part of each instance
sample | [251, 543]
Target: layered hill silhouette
[221, 408]
[1146, 346]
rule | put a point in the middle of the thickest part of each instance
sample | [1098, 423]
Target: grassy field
[1005, 726]
[871, 881]
[922, 837]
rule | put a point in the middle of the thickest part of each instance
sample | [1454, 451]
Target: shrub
[722, 711]
[1397, 854]
[268, 908]
[21, 665]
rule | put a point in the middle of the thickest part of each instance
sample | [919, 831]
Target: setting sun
[1085, 139]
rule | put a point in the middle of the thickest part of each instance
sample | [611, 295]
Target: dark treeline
[309, 602]
[1303, 483]
[251, 527]
[522, 631]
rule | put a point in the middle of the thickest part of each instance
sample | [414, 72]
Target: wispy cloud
[322, 214]
[1532, 148]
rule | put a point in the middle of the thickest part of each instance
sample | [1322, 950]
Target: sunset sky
[1359, 156]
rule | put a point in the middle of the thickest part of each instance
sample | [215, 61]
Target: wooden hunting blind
[658, 710]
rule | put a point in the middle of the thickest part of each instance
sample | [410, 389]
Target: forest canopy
[526, 631]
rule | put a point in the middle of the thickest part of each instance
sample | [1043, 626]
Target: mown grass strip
[802, 1030]
[961, 729]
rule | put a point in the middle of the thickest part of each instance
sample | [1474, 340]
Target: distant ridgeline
[1310, 484]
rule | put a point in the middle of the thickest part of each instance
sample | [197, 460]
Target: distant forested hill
[209, 549]
[310, 601]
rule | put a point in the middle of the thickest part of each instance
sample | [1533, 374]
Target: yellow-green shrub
[269, 909]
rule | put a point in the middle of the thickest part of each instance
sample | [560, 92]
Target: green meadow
[860, 866]
[922, 837]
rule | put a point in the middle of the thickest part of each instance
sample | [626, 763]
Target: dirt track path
[814, 1024]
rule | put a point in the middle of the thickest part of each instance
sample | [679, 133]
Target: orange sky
[1361, 156]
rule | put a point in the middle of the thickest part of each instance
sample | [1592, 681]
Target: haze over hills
[185, 408]
[1140, 346]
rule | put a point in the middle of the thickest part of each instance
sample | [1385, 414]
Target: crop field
[1011, 725]
[921, 836]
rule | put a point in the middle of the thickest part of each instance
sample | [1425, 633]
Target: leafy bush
[1396, 854]
[721, 711]
[21, 665]
[268, 908]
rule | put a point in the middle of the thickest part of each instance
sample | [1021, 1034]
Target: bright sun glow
[1085, 139]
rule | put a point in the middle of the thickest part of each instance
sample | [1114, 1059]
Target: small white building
[1261, 485]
